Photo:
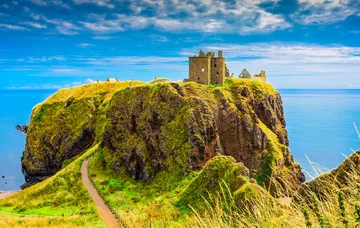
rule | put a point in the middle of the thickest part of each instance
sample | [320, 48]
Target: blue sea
[319, 123]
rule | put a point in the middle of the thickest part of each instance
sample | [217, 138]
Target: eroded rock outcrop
[171, 127]
[166, 126]
[22, 128]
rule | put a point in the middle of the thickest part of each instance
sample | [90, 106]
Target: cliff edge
[145, 129]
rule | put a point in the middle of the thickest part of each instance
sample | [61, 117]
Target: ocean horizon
[319, 123]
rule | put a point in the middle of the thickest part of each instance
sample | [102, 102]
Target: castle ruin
[207, 69]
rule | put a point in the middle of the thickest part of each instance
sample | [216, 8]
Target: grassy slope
[152, 203]
[44, 203]
[137, 202]
[338, 206]
[141, 204]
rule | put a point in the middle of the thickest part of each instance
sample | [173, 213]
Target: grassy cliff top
[89, 90]
[109, 88]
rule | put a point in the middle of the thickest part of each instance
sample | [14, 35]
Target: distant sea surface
[319, 123]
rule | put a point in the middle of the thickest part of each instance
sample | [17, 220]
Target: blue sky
[48, 44]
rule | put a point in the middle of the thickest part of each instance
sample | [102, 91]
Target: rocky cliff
[145, 129]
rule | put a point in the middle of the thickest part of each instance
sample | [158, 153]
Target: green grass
[60, 194]
[139, 203]
[331, 200]
[38, 116]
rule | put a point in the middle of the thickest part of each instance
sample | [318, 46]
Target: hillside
[146, 129]
[159, 144]
[59, 201]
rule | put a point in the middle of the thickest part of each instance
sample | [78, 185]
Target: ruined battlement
[261, 77]
[207, 69]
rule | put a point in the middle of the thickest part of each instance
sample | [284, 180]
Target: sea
[320, 125]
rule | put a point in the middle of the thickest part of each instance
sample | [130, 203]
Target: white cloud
[13, 27]
[131, 60]
[34, 24]
[76, 83]
[103, 26]
[208, 16]
[267, 22]
[39, 2]
[63, 27]
[60, 3]
[325, 11]
[104, 37]
[103, 3]
[41, 59]
[84, 45]
[64, 70]
[158, 38]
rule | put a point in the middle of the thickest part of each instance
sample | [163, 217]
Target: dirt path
[109, 219]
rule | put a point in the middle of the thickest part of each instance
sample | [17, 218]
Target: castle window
[202, 69]
[215, 65]
[217, 73]
[198, 79]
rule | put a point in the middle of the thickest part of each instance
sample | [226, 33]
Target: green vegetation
[38, 116]
[45, 203]
[139, 203]
[219, 169]
[335, 208]
[169, 128]
[160, 80]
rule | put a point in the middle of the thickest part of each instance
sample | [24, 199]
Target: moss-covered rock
[146, 129]
[218, 171]
[250, 194]
[63, 126]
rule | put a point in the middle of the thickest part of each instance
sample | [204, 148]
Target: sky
[51, 44]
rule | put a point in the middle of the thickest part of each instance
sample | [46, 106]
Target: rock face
[22, 128]
[219, 170]
[64, 126]
[166, 126]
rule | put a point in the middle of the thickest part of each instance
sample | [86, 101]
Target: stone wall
[218, 70]
[260, 77]
[199, 70]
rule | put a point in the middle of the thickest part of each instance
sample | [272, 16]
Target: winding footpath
[104, 212]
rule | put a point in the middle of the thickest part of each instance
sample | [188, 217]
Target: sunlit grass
[60, 200]
[139, 203]
[332, 200]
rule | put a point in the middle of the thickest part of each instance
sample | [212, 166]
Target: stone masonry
[207, 69]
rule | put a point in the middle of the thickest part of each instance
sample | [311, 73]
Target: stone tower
[207, 69]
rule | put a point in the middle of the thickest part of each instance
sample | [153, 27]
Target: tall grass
[331, 200]
[59, 201]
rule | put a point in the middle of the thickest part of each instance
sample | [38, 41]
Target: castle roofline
[209, 54]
